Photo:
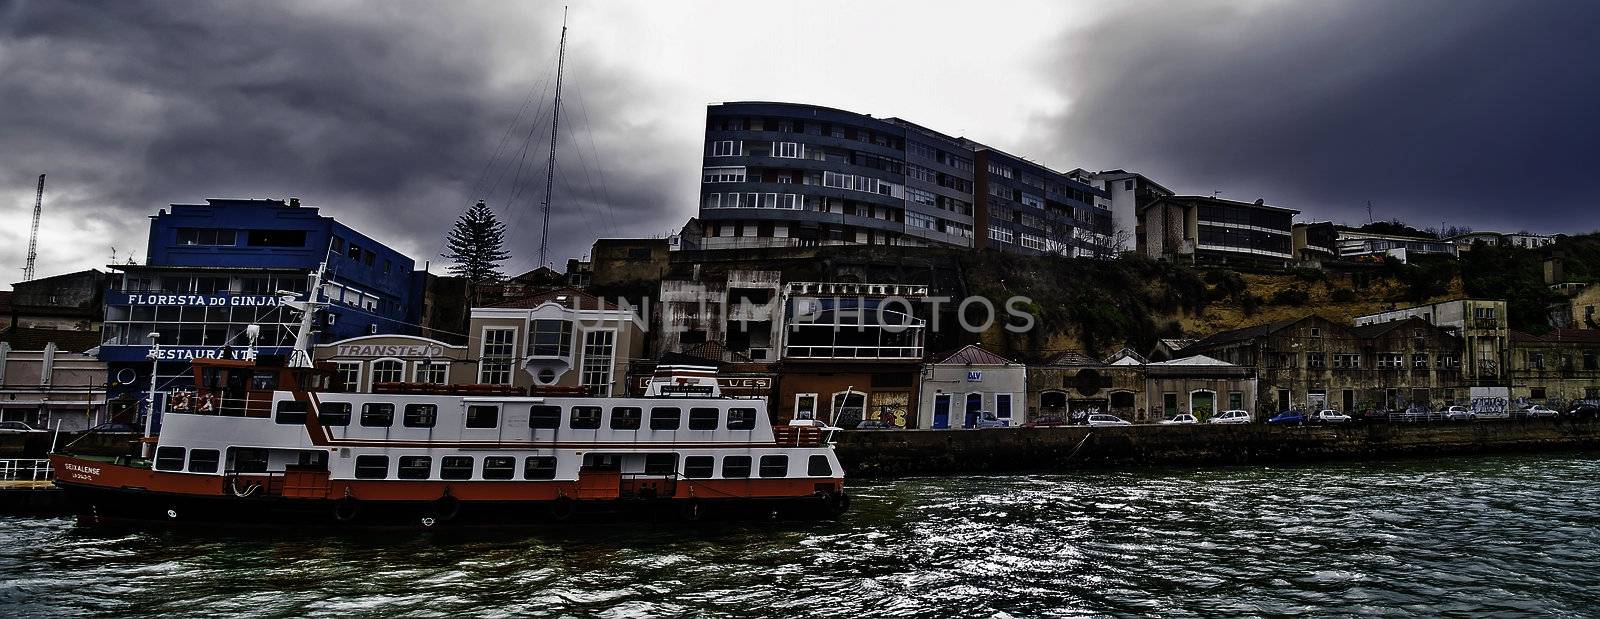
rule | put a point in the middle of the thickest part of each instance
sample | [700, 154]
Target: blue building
[214, 269]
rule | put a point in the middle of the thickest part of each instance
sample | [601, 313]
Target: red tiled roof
[571, 298]
[971, 354]
[1071, 358]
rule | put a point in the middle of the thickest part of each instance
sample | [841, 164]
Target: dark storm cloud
[382, 114]
[1479, 113]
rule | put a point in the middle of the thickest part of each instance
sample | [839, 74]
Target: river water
[1506, 535]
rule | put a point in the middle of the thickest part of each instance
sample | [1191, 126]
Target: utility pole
[555, 125]
[33, 237]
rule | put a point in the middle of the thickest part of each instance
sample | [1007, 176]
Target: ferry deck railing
[26, 469]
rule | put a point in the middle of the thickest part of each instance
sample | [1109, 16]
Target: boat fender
[562, 508]
[172, 514]
[346, 509]
[838, 502]
[446, 507]
[690, 510]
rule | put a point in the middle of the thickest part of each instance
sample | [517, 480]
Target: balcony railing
[853, 352]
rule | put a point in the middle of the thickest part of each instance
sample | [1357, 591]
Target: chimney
[294, 202]
[1260, 202]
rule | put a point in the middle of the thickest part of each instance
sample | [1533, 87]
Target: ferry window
[415, 467]
[455, 467]
[334, 414]
[264, 381]
[291, 412]
[735, 467]
[774, 466]
[377, 415]
[660, 464]
[544, 417]
[203, 460]
[819, 466]
[169, 459]
[626, 417]
[499, 467]
[483, 416]
[698, 467]
[539, 467]
[372, 467]
[585, 418]
[248, 460]
[665, 418]
[703, 418]
[741, 419]
[420, 415]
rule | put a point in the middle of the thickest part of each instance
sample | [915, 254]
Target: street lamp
[145, 445]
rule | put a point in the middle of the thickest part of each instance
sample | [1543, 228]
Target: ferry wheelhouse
[282, 442]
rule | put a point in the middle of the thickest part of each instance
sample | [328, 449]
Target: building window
[349, 374]
[377, 415]
[455, 467]
[790, 150]
[275, 238]
[1235, 400]
[805, 406]
[552, 338]
[1536, 360]
[1002, 405]
[1419, 361]
[420, 415]
[1031, 241]
[698, 467]
[665, 418]
[496, 356]
[774, 466]
[918, 220]
[433, 372]
[415, 467]
[1316, 360]
[483, 416]
[387, 371]
[597, 352]
[210, 237]
[539, 467]
[725, 148]
[1003, 235]
[723, 175]
[1537, 393]
[372, 467]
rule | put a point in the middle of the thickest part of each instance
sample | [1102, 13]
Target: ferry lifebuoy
[446, 507]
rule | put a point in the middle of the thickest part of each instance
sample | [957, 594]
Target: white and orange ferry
[282, 443]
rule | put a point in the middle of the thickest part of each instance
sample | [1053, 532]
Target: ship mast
[555, 125]
[301, 356]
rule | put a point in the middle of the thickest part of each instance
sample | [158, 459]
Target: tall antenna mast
[33, 237]
[555, 125]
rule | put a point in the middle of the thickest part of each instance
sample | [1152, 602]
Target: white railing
[26, 470]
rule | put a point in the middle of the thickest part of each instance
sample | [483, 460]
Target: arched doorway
[1122, 404]
[848, 407]
[1053, 402]
[1202, 402]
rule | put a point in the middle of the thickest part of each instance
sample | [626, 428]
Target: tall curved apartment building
[787, 174]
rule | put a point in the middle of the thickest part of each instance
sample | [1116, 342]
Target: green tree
[477, 245]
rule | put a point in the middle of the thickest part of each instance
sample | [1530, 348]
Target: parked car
[1496, 413]
[1370, 416]
[1231, 417]
[1458, 413]
[987, 419]
[1584, 411]
[1540, 410]
[1329, 415]
[1107, 420]
[873, 424]
[16, 427]
[1288, 418]
[1181, 419]
[1046, 421]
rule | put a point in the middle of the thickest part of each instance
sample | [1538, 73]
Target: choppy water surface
[1503, 536]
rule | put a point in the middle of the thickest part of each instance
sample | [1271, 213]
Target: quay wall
[892, 453]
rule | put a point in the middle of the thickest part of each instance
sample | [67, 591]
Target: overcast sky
[394, 116]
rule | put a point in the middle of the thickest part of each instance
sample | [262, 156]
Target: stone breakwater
[893, 453]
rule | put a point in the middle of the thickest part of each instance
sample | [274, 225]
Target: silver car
[1233, 416]
[1107, 420]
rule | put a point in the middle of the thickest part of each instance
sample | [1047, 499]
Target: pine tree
[476, 245]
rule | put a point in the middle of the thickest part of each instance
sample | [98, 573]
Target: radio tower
[555, 123]
[33, 237]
